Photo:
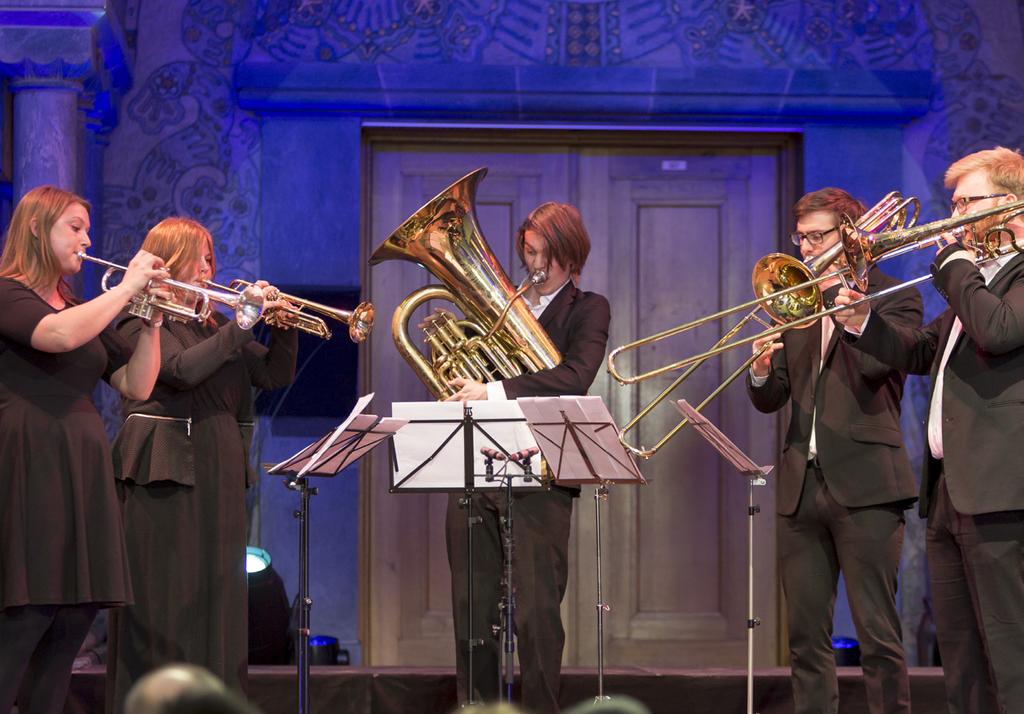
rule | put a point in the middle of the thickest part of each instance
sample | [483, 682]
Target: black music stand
[439, 452]
[325, 457]
[580, 443]
[755, 477]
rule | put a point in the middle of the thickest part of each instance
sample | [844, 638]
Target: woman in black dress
[182, 464]
[61, 542]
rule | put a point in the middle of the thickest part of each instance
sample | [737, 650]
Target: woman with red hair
[62, 554]
[181, 461]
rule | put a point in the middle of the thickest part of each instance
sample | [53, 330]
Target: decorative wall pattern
[206, 163]
[801, 33]
[205, 160]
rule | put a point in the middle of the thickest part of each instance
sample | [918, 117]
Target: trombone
[801, 303]
[359, 320]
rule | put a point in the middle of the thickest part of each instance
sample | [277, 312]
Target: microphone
[492, 454]
[524, 454]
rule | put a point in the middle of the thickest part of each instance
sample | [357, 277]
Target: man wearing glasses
[972, 486]
[844, 481]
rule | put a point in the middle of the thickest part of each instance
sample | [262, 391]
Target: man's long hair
[565, 237]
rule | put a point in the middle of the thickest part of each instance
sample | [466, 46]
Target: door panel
[680, 245]
[674, 236]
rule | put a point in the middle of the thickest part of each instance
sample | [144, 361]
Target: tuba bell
[497, 337]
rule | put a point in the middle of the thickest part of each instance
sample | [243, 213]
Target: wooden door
[674, 236]
[679, 233]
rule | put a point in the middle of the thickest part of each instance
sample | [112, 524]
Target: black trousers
[976, 564]
[38, 644]
[820, 539]
[541, 521]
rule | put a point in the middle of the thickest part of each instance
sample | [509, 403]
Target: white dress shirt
[827, 328]
[495, 390]
[988, 271]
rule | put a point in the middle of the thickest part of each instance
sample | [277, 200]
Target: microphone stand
[507, 605]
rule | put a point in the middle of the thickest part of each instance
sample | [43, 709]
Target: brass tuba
[498, 337]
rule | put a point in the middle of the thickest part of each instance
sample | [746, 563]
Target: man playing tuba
[553, 239]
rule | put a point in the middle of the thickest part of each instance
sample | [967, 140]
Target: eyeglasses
[960, 204]
[812, 237]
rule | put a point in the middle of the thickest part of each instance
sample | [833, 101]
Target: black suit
[577, 323]
[974, 496]
[844, 510]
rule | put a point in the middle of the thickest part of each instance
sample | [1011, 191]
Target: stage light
[324, 649]
[269, 638]
[847, 651]
[256, 560]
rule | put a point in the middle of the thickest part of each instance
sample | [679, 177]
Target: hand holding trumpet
[274, 299]
[144, 272]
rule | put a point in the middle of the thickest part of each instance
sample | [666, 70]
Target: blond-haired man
[972, 489]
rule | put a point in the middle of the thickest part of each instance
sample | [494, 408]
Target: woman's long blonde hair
[28, 256]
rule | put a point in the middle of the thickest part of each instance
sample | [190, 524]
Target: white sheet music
[356, 410]
[431, 423]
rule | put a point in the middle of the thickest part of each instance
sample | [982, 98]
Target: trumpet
[359, 320]
[143, 304]
[247, 305]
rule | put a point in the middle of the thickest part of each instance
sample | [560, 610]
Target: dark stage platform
[405, 690]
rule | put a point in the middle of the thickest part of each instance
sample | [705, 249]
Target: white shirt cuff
[858, 331]
[496, 392]
[757, 381]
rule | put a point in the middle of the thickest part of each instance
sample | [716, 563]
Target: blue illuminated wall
[247, 115]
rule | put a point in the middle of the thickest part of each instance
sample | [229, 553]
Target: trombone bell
[778, 273]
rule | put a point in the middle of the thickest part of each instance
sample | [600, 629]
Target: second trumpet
[359, 320]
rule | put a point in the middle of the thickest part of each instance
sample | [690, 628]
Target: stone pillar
[46, 133]
[51, 52]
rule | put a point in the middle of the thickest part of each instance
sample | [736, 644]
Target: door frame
[786, 144]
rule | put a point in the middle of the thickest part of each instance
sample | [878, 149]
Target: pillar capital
[65, 45]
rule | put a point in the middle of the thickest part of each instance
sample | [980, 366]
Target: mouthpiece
[538, 276]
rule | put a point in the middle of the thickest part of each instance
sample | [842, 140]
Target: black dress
[182, 464]
[61, 540]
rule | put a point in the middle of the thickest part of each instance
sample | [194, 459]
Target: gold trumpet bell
[777, 272]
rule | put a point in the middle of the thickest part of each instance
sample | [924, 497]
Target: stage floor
[421, 690]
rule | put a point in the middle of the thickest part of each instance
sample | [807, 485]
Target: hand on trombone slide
[852, 318]
[763, 364]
